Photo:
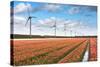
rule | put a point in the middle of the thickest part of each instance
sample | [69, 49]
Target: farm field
[52, 50]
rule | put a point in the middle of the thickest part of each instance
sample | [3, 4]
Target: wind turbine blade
[27, 9]
[27, 21]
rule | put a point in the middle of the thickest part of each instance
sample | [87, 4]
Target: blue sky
[81, 19]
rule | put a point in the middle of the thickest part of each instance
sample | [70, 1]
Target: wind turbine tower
[29, 19]
[65, 28]
[55, 27]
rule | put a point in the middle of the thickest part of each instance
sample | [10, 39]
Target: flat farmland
[52, 50]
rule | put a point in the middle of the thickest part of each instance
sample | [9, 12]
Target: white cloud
[47, 22]
[59, 22]
[73, 24]
[74, 10]
[21, 7]
[18, 20]
[52, 7]
[18, 24]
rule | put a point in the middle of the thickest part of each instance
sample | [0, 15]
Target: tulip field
[52, 50]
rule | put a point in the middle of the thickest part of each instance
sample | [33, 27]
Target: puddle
[86, 56]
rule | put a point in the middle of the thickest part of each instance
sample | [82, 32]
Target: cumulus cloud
[50, 22]
[48, 7]
[74, 10]
[47, 21]
[21, 7]
[52, 7]
[74, 24]
[18, 20]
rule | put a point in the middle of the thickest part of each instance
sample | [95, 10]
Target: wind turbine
[55, 26]
[71, 33]
[65, 28]
[29, 19]
[65, 24]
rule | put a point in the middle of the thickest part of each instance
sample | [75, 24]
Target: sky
[70, 19]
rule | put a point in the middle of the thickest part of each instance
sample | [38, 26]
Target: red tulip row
[93, 49]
